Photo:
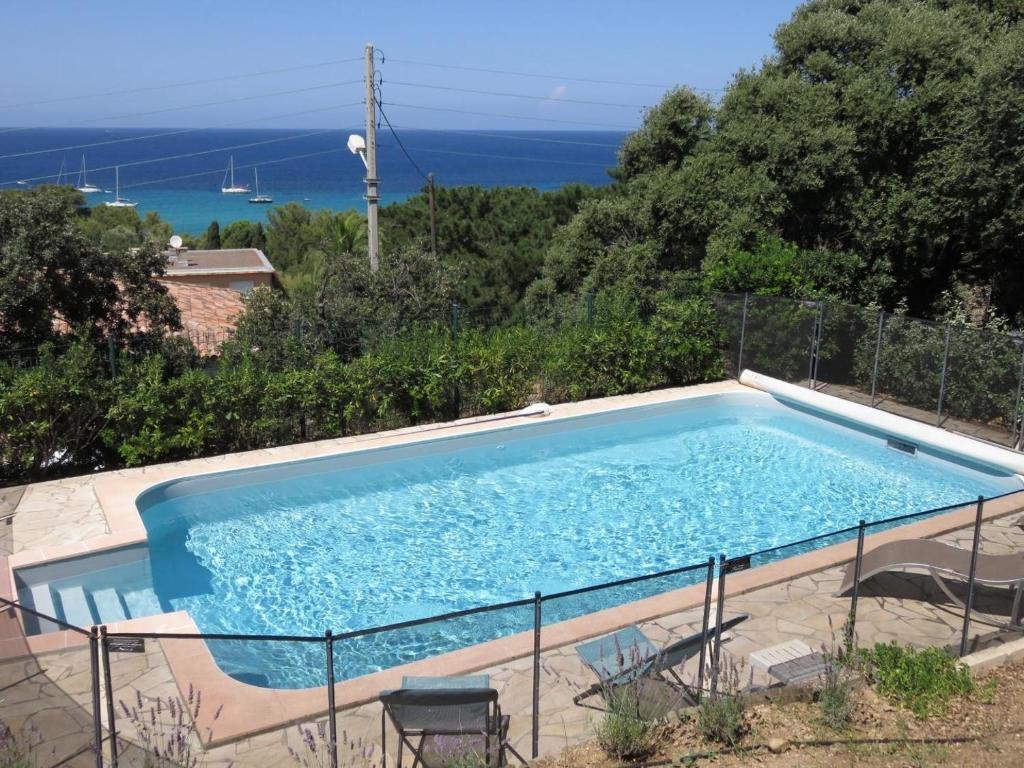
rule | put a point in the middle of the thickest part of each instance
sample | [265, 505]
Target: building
[208, 314]
[240, 269]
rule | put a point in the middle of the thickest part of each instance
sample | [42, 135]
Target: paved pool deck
[48, 686]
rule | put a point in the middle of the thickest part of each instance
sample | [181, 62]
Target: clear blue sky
[55, 48]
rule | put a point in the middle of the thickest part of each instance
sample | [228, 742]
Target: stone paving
[56, 513]
[51, 693]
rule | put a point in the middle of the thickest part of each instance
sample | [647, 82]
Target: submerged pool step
[42, 601]
[142, 602]
[108, 605]
[76, 606]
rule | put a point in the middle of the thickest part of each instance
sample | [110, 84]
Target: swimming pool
[378, 536]
[391, 534]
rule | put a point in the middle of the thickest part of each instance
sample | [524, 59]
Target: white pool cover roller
[890, 424]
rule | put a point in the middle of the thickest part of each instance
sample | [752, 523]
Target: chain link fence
[964, 379]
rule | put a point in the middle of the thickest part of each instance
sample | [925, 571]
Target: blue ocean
[312, 166]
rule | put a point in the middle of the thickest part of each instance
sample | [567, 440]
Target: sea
[179, 172]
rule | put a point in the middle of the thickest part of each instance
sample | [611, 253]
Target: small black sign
[736, 564]
[126, 645]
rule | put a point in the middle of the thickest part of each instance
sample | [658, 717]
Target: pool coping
[191, 662]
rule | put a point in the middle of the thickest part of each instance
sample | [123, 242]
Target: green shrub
[924, 681]
[155, 417]
[631, 727]
[720, 718]
[51, 415]
[498, 369]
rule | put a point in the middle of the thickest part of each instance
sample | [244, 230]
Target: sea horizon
[308, 166]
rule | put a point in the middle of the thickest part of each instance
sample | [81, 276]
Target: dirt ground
[986, 729]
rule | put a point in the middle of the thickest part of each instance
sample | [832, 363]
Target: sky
[58, 48]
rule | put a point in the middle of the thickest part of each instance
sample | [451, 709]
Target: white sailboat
[232, 188]
[258, 197]
[83, 184]
[60, 173]
[118, 201]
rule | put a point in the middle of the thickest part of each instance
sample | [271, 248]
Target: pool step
[108, 605]
[76, 606]
[42, 601]
[142, 602]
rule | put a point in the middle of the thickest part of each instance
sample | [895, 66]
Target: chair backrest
[448, 711]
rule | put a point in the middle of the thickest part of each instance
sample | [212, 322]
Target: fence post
[1016, 403]
[332, 715]
[969, 602]
[743, 333]
[535, 725]
[715, 659]
[708, 580]
[111, 711]
[851, 622]
[112, 355]
[97, 718]
[456, 396]
[590, 310]
[878, 352]
[942, 381]
[816, 344]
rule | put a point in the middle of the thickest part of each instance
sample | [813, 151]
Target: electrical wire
[510, 137]
[191, 106]
[179, 132]
[197, 153]
[512, 117]
[510, 157]
[405, 152]
[165, 86]
[213, 171]
[514, 95]
[545, 76]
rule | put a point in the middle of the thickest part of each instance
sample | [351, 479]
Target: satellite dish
[175, 242]
[356, 144]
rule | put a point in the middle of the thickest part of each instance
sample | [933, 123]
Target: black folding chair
[446, 725]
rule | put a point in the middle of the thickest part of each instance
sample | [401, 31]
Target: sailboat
[259, 198]
[118, 201]
[231, 189]
[60, 173]
[83, 182]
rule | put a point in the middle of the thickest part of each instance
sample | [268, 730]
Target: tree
[243, 234]
[213, 235]
[495, 238]
[50, 270]
[889, 129]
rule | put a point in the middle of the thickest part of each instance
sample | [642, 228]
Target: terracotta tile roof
[208, 314]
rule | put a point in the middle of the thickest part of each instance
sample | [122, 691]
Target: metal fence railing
[119, 719]
[965, 379]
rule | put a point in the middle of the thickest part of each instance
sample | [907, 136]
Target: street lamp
[357, 146]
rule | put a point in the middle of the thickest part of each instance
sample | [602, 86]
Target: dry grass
[985, 729]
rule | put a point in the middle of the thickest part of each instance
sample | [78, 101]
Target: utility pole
[433, 214]
[372, 182]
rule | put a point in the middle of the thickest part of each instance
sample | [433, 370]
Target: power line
[514, 95]
[510, 157]
[512, 117]
[200, 152]
[509, 137]
[179, 132]
[545, 76]
[211, 172]
[144, 89]
[399, 141]
[192, 106]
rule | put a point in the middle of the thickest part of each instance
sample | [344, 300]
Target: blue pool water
[395, 534]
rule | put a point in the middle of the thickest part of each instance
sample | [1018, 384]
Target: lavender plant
[25, 749]
[315, 746]
[163, 729]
